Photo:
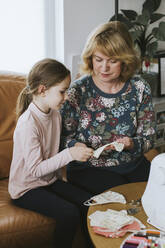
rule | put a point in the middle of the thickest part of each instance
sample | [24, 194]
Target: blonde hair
[113, 40]
[47, 72]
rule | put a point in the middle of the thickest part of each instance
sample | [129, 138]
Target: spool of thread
[130, 245]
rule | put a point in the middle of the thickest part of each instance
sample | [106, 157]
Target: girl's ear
[41, 89]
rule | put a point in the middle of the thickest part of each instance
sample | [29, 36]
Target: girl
[34, 181]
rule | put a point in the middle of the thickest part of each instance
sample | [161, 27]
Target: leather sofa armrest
[151, 154]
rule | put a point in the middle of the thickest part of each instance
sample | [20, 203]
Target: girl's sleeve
[146, 126]
[70, 118]
[36, 163]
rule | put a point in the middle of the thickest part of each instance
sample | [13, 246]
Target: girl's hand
[81, 153]
[127, 141]
[80, 144]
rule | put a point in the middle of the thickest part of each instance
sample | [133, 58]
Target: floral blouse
[96, 118]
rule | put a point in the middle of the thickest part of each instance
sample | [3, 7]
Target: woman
[109, 104]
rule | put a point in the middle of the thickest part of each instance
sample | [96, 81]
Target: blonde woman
[109, 103]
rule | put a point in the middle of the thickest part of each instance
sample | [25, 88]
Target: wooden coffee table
[132, 191]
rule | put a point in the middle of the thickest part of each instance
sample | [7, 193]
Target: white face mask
[106, 197]
[118, 147]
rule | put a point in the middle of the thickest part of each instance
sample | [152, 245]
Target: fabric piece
[113, 220]
[118, 147]
[153, 199]
[105, 197]
[133, 227]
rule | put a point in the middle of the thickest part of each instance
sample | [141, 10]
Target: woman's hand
[110, 147]
[127, 141]
[81, 153]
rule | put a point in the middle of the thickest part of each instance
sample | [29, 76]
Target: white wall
[64, 38]
[131, 4]
[81, 16]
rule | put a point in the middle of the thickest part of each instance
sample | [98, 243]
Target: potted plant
[144, 35]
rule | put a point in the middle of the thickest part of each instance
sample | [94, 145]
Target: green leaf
[151, 48]
[144, 18]
[130, 14]
[156, 16]
[136, 34]
[144, 36]
[159, 32]
[120, 18]
[112, 18]
[123, 19]
[151, 5]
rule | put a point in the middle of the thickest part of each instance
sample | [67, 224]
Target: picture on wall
[162, 75]
[161, 62]
[160, 117]
[160, 135]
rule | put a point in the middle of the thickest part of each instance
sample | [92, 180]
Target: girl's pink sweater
[36, 158]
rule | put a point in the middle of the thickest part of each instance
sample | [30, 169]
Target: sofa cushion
[8, 96]
[20, 227]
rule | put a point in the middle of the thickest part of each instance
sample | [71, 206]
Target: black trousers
[64, 202]
[97, 180]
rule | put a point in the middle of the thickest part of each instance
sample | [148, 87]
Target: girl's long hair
[47, 72]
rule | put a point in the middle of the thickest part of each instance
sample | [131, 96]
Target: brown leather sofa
[19, 228]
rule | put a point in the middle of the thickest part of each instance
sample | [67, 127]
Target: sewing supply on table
[145, 239]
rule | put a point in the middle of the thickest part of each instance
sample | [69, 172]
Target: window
[24, 33]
